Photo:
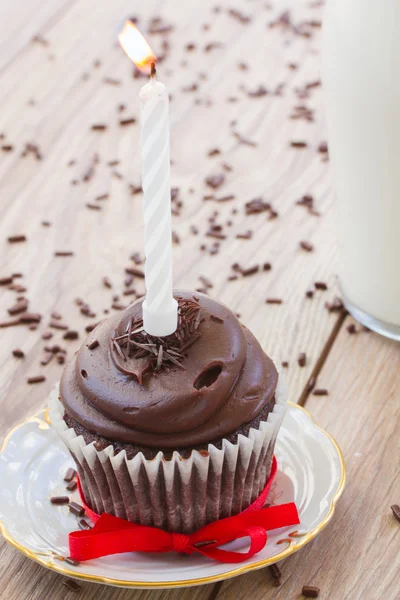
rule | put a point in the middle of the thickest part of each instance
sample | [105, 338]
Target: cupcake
[172, 432]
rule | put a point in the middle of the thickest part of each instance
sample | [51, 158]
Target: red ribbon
[112, 535]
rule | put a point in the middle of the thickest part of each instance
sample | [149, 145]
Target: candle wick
[153, 71]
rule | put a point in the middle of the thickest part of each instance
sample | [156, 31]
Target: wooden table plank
[20, 22]
[25, 580]
[357, 555]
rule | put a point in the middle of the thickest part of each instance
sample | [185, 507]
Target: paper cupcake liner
[179, 494]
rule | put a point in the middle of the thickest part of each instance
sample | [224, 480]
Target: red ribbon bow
[112, 535]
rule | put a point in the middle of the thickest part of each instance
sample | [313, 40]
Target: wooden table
[235, 84]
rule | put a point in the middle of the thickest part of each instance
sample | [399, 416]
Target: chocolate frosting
[226, 381]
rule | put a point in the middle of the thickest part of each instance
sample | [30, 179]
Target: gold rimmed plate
[33, 462]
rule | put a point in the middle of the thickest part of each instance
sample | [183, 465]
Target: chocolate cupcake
[171, 432]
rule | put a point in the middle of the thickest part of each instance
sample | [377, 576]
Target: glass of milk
[361, 76]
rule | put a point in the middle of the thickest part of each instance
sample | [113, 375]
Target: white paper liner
[180, 494]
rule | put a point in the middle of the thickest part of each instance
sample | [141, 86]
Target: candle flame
[135, 46]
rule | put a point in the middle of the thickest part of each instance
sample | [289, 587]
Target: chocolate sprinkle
[135, 272]
[93, 206]
[58, 500]
[70, 475]
[335, 306]
[216, 319]
[76, 509]
[396, 511]
[138, 344]
[37, 379]
[310, 591]
[18, 353]
[307, 246]
[302, 359]
[276, 574]
[71, 335]
[247, 235]
[72, 585]
[99, 127]
[19, 307]
[256, 206]
[250, 270]
[320, 392]
[15, 239]
[311, 384]
[215, 181]
[71, 561]
[111, 81]
[124, 122]
[71, 487]
[6, 280]
[57, 325]
[28, 318]
[93, 345]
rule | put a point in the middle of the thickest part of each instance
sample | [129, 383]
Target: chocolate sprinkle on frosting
[160, 352]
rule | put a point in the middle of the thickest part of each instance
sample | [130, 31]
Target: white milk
[362, 96]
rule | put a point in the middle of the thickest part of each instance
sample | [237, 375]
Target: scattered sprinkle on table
[36, 379]
[250, 271]
[6, 280]
[71, 335]
[310, 591]
[99, 127]
[72, 585]
[352, 329]
[57, 325]
[302, 359]
[274, 301]
[298, 144]
[320, 392]
[63, 253]
[307, 246]
[276, 574]
[92, 206]
[15, 239]
[125, 122]
[396, 511]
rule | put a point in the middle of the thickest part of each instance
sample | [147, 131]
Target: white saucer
[33, 462]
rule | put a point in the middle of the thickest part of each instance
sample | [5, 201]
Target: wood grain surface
[235, 82]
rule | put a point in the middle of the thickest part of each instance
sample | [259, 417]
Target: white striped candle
[160, 309]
